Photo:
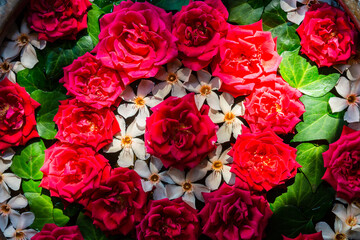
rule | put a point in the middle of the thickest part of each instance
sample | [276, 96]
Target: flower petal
[142, 169]
[237, 128]
[288, 5]
[173, 191]
[353, 72]
[28, 56]
[176, 175]
[9, 232]
[224, 133]
[215, 83]
[4, 219]
[4, 193]
[127, 110]
[337, 104]
[162, 89]
[146, 185]
[343, 87]
[189, 198]
[145, 87]
[159, 192]
[173, 66]
[352, 114]
[239, 109]
[199, 100]
[199, 189]
[25, 220]
[213, 101]
[327, 232]
[138, 146]
[133, 130]
[226, 101]
[216, 116]
[340, 211]
[128, 94]
[152, 101]
[198, 172]
[184, 74]
[203, 77]
[9, 50]
[229, 177]
[12, 181]
[164, 176]
[126, 158]
[18, 202]
[178, 90]
[155, 165]
[213, 180]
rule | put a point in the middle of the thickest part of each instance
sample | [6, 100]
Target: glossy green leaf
[319, 123]
[27, 164]
[93, 23]
[245, 12]
[31, 186]
[88, 230]
[32, 79]
[170, 5]
[49, 106]
[301, 75]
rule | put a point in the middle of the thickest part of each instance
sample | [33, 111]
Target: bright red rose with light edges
[73, 173]
[342, 162]
[91, 83]
[247, 53]
[179, 134]
[313, 236]
[136, 39]
[58, 19]
[200, 27]
[327, 35]
[169, 220]
[17, 115]
[52, 232]
[119, 203]
[263, 160]
[273, 104]
[85, 126]
[234, 213]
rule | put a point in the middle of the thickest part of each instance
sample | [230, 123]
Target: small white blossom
[353, 72]
[7, 209]
[341, 231]
[18, 230]
[8, 69]
[7, 180]
[350, 216]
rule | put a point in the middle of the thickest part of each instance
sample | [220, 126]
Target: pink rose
[91, 83]
[169, 220]
[52, 232]
[179, 134]
[118, 204]
[85, 126]
[314, 236]
[200, 27]
[73, 173]
[342, 161]
[327, 35]
[234, 213]
[245, 55]
[58, 19]
[136, 39]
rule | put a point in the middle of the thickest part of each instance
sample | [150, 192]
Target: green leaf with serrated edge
[309, 156]
[27, 164]
[44, 211]
[301, 75]
[49, 106]
[319, 123]
[244, 12]
[170, 5]
[31, 186]
[93, 23]
[88, 230]
[63, 54]
[32, 79]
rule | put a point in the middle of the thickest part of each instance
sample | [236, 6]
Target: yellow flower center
[126, 140]
[187, 187]
[139, 102]
[340, 236]
[278, 108]
[172, 78]
[23, 39]
[5, 209]
[351, 99]
[217, 165]
[5, 67]
[351, 221]
[19, 235]
[229, 117]
[154, 178]
[205, 90]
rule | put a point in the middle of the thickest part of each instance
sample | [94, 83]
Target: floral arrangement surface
[180, 120]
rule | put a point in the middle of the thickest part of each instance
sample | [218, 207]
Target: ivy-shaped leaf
[88, 230]
[170, 5]
[301, 75]
[319, 123]
[93, 23]
[245, 12]
[31, 186]
[32, 79]
[49, 106]
[27, 164]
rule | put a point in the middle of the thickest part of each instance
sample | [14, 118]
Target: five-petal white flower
[341, 231]
[7, 180]
[7, 210]
[353, 72]
[350, 216]
[18, 230]
[8, 69]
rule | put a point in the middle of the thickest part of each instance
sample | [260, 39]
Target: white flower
[185, 185]
[340, 231]
[7, 180]
[18, 230]
[295, 14]
[8, 69]
[23, 42]
[350, 92]
[172, 79]
[127, 143]
[7, 210]
[153, 177]
[204, 87]
[353, 72]
[232, 124]
[139, 102]
[349, 216]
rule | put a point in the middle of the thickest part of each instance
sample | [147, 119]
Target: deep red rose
[136, 39]
[169, 220]
[327, 35]
[275, 105]
[245, 55]
[58, 19]
[91, 83]
[52, 232]
[200, 27]
[85, 126]
[17, 115]
[73, 173]
[263, 160]
[234, 213]
[342, 161]
[314, 236]
[119, 204]
[179, 134]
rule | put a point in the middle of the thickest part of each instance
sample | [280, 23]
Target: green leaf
[27, 164]
[309, 156]
[63, 54]
[31, 186]
[44, 211]
[88, 230]
[301, 75]
[49, 106]
[170, 5]
[32, 79]
[319, 123]
[245, 12]
[107, 5]
[93, 23]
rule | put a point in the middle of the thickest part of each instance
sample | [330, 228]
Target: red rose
[82, 125]
[314, 236]
[327, 35]
[118, 205]
[91, 83]
[200, 26]
[342, 161]
[52, 232]
[275, 105]
[58, 19]
[234, 213]
[73, 173]
[169, 220]
[262, 160]
[17, 115]
[136, 39]
[245, 55]
[179, 134]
